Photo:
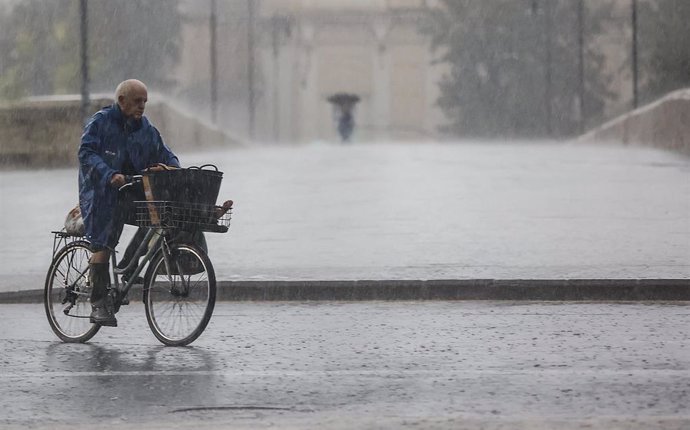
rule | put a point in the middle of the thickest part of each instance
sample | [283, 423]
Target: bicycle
[179, 290]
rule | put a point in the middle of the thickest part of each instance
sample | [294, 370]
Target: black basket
[183, 216]
[190, 185]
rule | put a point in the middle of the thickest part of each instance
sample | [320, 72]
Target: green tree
[31, 49]
[664, 52]
[39, 45]
[498, 52]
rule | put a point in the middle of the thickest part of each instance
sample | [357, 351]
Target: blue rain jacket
[109, 144]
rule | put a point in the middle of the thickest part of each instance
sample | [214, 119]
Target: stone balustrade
[664, 124]
[46, 133]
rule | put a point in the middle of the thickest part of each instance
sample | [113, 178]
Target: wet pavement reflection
[353, 365]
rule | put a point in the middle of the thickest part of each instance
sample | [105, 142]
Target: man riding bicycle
[117, 141]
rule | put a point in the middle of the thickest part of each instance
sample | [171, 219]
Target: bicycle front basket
[182, 216]
[190, 185]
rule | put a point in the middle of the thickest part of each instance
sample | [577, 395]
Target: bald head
[131, 96]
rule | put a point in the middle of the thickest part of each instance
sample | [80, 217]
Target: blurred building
[305, 51]
[310, 50]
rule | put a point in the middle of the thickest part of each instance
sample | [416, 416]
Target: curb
[465, 289]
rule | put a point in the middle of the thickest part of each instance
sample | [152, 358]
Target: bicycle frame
[155, 239]
[149, 246]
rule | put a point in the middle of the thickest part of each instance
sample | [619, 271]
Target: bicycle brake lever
[130, 180]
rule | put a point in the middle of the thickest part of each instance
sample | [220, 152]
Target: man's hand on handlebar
[118, 180]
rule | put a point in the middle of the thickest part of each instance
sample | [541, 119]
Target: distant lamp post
[633, 24]
[547, 92]
[581, 63]
[84, 40]
[280, 28]
[214, 62]
[251, 105]
[534, 11]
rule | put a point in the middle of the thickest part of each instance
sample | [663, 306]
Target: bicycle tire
[70, 268]
[179, 306]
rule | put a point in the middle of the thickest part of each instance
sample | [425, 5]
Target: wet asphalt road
[466, 210]
[493, 365]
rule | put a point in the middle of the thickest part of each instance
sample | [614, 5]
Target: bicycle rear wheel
[179, 301]
[67, 294]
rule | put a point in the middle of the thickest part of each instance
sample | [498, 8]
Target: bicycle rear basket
[182, 216]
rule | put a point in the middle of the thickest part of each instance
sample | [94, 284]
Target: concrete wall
[47, 133]
[42, 134]
[662, 124]
[181, 130]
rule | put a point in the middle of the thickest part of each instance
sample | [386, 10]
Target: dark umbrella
[344, 100]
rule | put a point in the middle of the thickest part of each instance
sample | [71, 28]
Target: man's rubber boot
[101, 302]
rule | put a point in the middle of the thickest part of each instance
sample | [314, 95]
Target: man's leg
[102, 308]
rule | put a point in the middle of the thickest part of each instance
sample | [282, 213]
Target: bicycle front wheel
[67, 294]
[179, 294]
